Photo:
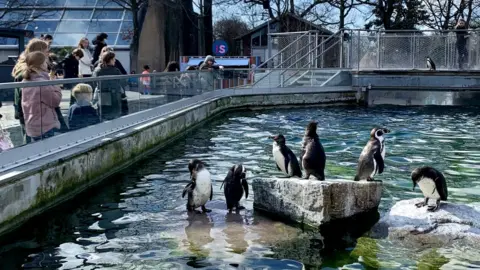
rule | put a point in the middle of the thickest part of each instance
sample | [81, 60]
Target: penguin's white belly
[374, 169]
[279, 158]
[428, 188]
[383, 151]
[203, 188]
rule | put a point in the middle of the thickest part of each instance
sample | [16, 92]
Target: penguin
[433, 186]
[431, 64]
[313, 156]
[285, 159]
[371, 161]
[200, 188]
[235, 184]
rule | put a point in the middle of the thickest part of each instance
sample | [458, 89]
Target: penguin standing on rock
[235, 184]
[200, 189]
[433, 186]
[371, 161]
[313, 156]
[285, 159]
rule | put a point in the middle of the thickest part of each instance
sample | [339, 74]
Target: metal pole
[378, 49]
[310, 49]
[316, 50]
[358, 51]
[341, 49]
[413, 50]
[269, 39]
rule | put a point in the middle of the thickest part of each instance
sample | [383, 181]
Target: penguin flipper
[378, 158]
[188, 188]
[211, 192]
[286, 157]
[245, 187]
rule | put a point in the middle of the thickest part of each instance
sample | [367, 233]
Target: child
[146, 80]
[82, 114]
[39, 102]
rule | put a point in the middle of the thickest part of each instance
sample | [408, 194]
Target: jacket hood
[209, 58]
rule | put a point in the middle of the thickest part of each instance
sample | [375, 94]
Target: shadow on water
[136, 219]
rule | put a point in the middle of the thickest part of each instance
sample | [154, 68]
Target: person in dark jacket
[109, 94]
[118, 64]
[99, 43]
[70, 68]
[462, 35]
[82, 114]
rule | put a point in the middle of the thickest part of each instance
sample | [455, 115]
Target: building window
[256, 41]
[264, 40]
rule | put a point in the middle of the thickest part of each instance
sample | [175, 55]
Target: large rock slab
[451, 223]
[314, 202]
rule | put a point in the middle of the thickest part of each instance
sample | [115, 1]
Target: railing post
[341, 49]
[413, 50]
[358, 51]
[316, 50]
[378, 49]
[321, 53]
[309, 49]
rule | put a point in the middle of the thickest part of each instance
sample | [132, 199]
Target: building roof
[14, 33]
[298, 18]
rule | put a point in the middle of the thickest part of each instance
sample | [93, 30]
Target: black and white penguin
[235, 184]
[431, 64]
[433, 186]
[285, 159]
[200, 189]
[371, 161]
[313, 156]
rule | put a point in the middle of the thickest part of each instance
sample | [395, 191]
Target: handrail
[341, 31]
[278, 53]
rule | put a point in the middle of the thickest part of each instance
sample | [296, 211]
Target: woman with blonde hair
[34, 45]
[85, 63]
[39, 103]
[118, 64]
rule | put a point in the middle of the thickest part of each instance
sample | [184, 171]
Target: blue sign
[220, 48]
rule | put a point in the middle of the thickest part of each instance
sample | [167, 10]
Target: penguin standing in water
[433, 186]
[200, 189]
[431, 64]
[285, 159]
[235, 184]
[371, 161]
[313, 156]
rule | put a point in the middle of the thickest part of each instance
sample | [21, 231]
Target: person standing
[85, 66]
[462, 36]
[99, 42]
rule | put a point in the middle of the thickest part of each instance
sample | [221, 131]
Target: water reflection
[137, 219]
[198, 234]
[235, 233]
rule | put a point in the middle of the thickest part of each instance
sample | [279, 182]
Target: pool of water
[137, 218]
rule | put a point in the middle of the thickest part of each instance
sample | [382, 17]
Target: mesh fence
[409, 50]
[289, 49]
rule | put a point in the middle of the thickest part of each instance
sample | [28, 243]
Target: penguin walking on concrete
[431, 64]
[313, 156]
[200, 188]
[433, 186]
[372, 158]
[285, 159]
[235, 185]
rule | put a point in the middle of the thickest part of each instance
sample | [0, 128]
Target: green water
[137, 219]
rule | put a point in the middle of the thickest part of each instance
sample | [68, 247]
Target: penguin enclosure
[137, 219]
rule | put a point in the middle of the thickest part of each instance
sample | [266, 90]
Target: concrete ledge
[30, 189]
[313, 202]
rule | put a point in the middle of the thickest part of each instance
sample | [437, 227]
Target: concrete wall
[454, 88]
[32, 188]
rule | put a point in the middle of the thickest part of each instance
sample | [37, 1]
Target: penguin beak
[414, 185]
[272, 137]
[386, 130]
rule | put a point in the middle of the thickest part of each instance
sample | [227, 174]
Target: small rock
[451, 223]
[313, 202]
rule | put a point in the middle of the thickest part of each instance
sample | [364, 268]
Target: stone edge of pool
[43, 184]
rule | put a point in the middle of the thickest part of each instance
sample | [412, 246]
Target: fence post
[341, 48]
[321, 52]
[309, 49]
[316, 50]
[378, 49]
[414, 47]
[358, 50]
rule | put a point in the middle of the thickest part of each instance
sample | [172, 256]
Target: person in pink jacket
[39, 102]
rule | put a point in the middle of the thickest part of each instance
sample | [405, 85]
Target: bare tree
[17, 13]
[228, 29]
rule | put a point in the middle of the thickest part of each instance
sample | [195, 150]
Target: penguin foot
[370, 179]
[420, 204]
[239, 207]
[432, 208]
[205, 210]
